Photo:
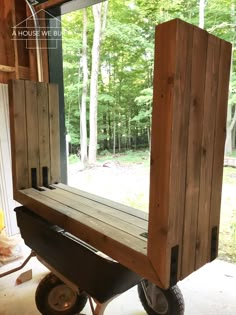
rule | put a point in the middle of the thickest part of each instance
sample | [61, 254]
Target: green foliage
[126, 66]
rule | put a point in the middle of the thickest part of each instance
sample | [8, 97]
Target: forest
[108, 55]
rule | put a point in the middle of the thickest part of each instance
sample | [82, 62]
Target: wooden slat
[179, 144]
[104, 214]
[164, 75]
[54, 133]
[43, 123]
[18, 135]
[71, 213]
[136, 216]
[32, 130]
[198, 77]
[210, 101]
[220, 135]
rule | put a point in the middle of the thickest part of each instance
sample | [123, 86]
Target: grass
[227, 241]
[129, 157]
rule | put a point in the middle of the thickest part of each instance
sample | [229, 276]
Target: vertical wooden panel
[32, 129]
[210, 101]
[164, 76]
[43, 125]
[220, 134]
[6, 43]
[181, 101]
[198, 77]
[18, 135]
[54, 132]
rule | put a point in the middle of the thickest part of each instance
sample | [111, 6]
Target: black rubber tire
[49, 284]
[172, 298]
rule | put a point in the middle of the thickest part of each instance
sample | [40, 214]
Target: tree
[83, 119]
[201, 13]
[99, 14]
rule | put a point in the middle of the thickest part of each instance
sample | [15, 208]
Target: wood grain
[43, 127]
[210, 101]
[32, 130]
[18, 135]
[220, 135]
[54, 134]
[198, 78]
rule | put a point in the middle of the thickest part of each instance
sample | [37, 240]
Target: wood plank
[32, 132]
[164, 76]
[96, 211]
[210, 101]
[116, 208]
[69, 213]
[198, 77]
[54, 133]
[19, 17]
[220, 135]
[18, 135]
[178, 162]
[7, 56]
[133, 257]
[43, 125]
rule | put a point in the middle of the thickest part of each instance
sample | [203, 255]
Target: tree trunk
[83, 120]
[229, 142]
[99, 14]
[114, 138]
[201, 13]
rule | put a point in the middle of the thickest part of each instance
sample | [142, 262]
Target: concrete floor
[211, 290]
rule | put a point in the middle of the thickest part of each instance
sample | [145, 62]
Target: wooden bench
[191, 78]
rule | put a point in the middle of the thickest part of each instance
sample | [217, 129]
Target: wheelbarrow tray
[80, 263]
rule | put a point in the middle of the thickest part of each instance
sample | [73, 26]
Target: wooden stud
[32, 131]
[43, 127]
[54, 133]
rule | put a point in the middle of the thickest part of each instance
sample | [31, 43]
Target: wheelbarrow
[80, 273]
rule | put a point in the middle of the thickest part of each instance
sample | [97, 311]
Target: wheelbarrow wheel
[157, 301]
[53, 297]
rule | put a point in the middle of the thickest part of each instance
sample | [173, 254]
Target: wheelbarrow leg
[100, 308]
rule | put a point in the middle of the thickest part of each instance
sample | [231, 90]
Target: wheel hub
[156, 299]
[62, 298]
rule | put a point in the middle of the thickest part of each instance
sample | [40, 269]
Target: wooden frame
[191, 78]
